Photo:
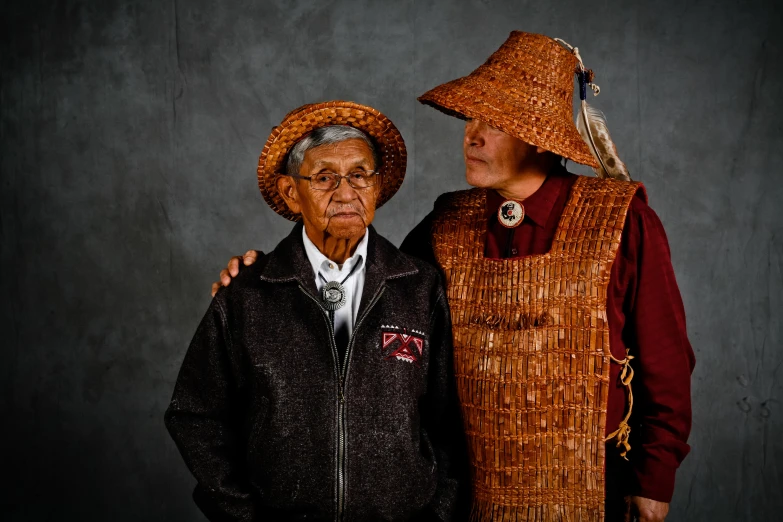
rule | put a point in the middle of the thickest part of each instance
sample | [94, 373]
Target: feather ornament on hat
[591, 124]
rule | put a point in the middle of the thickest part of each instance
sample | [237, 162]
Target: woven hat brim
[468, 98]
[388, 142]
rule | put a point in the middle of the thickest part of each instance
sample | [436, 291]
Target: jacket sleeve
[442, 421]
[202, 419]
[657, 336]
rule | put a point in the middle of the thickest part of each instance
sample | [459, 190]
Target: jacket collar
[288, 262]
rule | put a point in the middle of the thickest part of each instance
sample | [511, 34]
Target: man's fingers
[232, 269]
[233, 266]
[250, 257]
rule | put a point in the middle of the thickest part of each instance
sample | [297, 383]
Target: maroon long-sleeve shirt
[646, 316]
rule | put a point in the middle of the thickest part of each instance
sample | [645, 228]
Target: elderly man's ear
[286, 187]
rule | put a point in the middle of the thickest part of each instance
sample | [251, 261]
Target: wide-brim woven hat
[388, 142]
[525, 89]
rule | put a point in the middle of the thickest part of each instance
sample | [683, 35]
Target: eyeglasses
[360, 179]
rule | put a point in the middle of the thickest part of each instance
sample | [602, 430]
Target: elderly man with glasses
[319, 386]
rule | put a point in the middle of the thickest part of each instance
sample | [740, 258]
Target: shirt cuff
[653, 480]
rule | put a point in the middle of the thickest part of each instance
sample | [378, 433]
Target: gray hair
[325, 136]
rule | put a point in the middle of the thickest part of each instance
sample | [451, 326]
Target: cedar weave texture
[524, 89]
[531, 349]
[299, 122]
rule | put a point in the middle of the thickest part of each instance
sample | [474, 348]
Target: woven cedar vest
[531, 349]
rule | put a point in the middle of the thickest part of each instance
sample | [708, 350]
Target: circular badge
[511, 213]
[333, 295]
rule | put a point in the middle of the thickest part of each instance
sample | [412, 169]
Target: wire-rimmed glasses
[359, 179]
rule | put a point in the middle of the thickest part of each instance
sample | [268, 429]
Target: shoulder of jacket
[426, 279]
[248, 277]
[426, 270]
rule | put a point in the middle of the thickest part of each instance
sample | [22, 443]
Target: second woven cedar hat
[388, 142]
[526, 90]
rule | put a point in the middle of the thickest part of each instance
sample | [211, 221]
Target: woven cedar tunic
[531, 349]
[645, 315]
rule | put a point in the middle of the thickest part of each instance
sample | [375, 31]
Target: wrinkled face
[343, 213]
[493, 158]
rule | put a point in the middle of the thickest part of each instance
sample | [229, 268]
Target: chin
[476, 178]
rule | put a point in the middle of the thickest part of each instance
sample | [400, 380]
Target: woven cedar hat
[388, 142]
[526, 90]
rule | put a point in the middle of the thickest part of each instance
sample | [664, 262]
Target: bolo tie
[510, 214]
[333, 296]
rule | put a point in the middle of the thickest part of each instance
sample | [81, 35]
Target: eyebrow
[357, 163]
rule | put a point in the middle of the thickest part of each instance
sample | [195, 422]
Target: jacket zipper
[341, 378]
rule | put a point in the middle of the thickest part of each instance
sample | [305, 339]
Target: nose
[345, 192]
[473, 134]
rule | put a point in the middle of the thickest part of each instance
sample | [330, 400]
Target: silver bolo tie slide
[333, 293]
[333, 296]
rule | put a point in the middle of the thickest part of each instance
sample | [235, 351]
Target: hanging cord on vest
[623, 431]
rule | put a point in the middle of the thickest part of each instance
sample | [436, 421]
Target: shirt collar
[538, 206]
[328, 268]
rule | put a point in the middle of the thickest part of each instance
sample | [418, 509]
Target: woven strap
[531, 348]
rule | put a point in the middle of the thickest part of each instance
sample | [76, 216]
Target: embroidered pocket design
[404, 346]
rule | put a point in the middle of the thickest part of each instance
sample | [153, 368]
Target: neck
[525, 182]
[335, 249]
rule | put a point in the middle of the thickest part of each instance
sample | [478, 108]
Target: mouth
[472, 160]
[345, 215]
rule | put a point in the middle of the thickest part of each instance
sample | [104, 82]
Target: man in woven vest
[571, 354]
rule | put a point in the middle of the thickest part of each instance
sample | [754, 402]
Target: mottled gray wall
[130, 134]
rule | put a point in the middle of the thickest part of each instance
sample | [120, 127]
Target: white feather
[591, 124]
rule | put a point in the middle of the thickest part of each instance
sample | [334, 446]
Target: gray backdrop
[130, 136]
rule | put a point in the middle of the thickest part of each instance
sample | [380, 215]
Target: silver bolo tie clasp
[333, 293]
[333, 296]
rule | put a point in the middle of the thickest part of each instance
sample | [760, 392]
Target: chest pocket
[401, 344]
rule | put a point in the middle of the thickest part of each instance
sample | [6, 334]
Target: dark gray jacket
[272, 428]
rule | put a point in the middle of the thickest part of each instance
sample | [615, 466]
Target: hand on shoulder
[233, 268]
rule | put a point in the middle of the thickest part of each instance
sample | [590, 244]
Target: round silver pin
[333, 295]
[511, 213]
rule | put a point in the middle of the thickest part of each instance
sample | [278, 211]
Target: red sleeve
[656, 335]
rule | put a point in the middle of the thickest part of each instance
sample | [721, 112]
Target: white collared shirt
[345, 316]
